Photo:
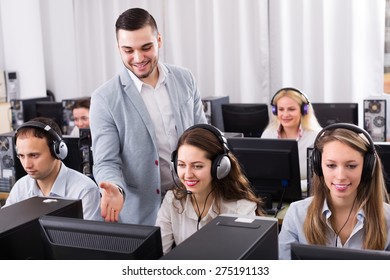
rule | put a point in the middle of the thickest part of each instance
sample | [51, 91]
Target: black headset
[58, 147]
[370, 156]
[221, 165]
[304, 105]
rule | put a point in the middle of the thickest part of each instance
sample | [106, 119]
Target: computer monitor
[383, 150]
[51, 110]
[271, 165]
[248, 118]
[74, 159]
[20, 236]
[330, 113]
[75, 239]
[231, 237]
[24, 110]
[318, 252]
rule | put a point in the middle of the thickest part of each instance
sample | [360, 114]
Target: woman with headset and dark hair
[210, 183]
[349, 203]
[293, 118]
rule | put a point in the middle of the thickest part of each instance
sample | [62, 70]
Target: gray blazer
[124, 143]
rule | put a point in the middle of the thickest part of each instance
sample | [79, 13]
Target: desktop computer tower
[7, 161]
[231, 237]
[23, 110]
[213, 110]
[20, 236]
[10, 166]
[375, 118]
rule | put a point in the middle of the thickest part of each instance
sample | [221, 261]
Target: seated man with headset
[40, 148]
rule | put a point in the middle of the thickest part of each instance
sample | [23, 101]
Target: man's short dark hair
[134, 19]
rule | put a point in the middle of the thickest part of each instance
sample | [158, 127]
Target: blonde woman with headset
[293, 118]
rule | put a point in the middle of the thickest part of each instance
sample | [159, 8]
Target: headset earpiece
[304, 105]
[174, 162]
[316, 161]
[304, 109]
[221, 165]
[58, 147]
[369, 162]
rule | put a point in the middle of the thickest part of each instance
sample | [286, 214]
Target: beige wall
[5, 117]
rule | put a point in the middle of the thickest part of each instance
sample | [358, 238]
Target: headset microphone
[176, 179]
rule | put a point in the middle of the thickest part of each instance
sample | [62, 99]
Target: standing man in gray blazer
[136, 119]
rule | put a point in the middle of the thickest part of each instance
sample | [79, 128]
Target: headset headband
[292, 89]
[351, 127]
[59, 149]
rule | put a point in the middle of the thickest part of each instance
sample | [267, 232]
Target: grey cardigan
[124, 143]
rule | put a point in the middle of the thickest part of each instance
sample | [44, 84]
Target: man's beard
[153, 66]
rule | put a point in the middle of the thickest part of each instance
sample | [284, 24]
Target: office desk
[281, 213]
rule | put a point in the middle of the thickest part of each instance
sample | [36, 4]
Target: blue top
[69, 184]
[292, 228]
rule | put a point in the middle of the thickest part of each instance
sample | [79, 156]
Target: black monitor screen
[75, 239]
[318, 252]
[247, 118]
[51, 110]
[28, 106]
[74, 159]
[383, 150]
[330, 113]
[271, 165]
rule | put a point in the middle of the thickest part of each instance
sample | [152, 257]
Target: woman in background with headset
[293, 118]
[211, 183]
[348, 207]
[80, 112]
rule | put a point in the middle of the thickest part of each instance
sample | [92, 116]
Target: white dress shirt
[158, 103]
